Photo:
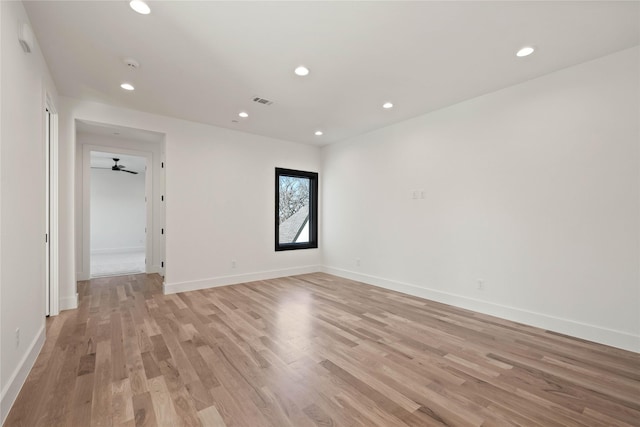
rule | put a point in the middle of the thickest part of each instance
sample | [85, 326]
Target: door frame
[86, 203]
[51, 247]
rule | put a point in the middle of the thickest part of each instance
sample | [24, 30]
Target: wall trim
[69, 303]
[194, 285]
[19, 376]
[155, 269]
[118, 250]
[611, 337]
[54, 204]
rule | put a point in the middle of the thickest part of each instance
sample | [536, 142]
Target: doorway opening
[118, 242]
[118, 207]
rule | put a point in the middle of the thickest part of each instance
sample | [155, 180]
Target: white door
[47, 237]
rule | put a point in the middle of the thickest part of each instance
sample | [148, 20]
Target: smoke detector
[131, 63]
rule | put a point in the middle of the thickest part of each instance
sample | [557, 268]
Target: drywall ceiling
[205, 61]
[117, 132]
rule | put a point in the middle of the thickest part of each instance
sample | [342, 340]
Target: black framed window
[296, 212]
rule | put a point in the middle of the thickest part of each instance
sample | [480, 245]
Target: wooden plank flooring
[312, 350]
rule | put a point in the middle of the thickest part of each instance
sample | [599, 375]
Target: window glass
[296, 209]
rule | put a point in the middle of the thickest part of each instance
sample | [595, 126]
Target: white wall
[533, 189]
[219, 197]
[2, 394]
[118, 211]
[2, 386]
[24, 80]
[154, 152]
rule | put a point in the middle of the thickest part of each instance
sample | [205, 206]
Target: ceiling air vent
[262, 100]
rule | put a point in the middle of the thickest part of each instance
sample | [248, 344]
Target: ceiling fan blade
[96, 167]
[124, 170]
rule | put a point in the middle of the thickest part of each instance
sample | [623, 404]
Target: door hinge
[162, 165]
[162, 264]
[162, 231]
[162, 198]
[46, 238]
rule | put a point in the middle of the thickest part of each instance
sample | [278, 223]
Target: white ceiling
[117, 132]
[204, 61]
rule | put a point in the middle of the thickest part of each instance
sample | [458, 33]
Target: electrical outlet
[480, 284]
[17, 337]
[233, 263]
[417, 194]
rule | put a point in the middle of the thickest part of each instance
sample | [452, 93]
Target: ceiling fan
[116, 167]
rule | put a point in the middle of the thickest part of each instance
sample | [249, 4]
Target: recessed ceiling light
[387, 105]
[140, 7]
[127, 86]
[525, 51]
[301, 70]
[243, 114]
[318, 133]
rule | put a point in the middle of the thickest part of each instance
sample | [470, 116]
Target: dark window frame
[313, 209]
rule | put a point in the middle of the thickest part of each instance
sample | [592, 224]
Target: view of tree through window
[296, 193]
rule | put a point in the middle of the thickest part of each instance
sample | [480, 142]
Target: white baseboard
[194, 285]
[614, 338]
[81, 276]
[19, 376]
[69, 303]
[155, 269]
[117, 250]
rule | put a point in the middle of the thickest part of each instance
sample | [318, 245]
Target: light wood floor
[312, 350]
